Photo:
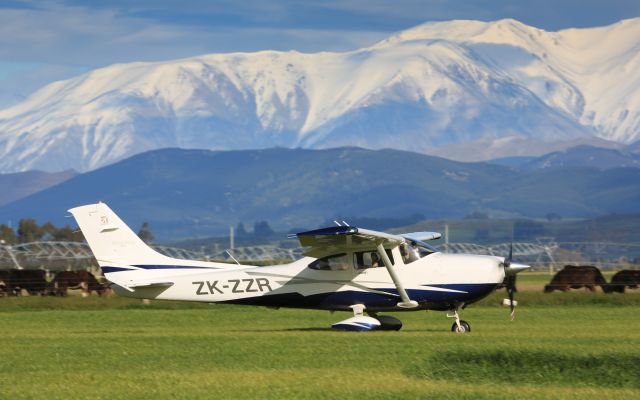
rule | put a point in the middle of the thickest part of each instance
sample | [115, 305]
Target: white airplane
[347, 269]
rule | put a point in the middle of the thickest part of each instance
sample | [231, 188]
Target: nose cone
[514, 268]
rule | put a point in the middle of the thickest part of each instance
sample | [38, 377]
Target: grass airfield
[561, 345]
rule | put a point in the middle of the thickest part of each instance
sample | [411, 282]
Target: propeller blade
[506, 263]
[511, 288]
[507, 260]
[510, 279]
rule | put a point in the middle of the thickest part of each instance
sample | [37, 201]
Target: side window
[411, 253]
[370, 259]
[336, 262]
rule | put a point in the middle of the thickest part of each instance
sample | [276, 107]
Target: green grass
[534, 367]
[561, 345]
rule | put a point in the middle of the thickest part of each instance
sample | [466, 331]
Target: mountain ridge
[186, 193]
[443, 86]
[22, 184]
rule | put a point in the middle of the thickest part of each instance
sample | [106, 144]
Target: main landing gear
[362, 323]
[459, 326]
[374, 322]
[387, 322]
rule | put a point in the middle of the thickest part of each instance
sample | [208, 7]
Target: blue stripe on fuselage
[429, 299]
[108, 269]
[172, 267]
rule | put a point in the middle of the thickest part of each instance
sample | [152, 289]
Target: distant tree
[48, 231]
[8, 235]
[261, 229]
[29, 231]
[145, 233]
[67, 234]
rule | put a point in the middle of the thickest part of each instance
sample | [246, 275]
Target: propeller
[511, 288]
[510, 281]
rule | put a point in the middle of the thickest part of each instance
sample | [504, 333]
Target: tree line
[28, 230]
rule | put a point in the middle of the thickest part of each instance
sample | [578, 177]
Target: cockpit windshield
[414, 251]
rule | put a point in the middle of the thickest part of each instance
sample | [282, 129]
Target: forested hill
[186, 193]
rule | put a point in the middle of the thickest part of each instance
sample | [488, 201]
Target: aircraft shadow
[308, 329]
[328, 329]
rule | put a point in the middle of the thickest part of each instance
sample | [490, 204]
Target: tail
[111, 240]
[126, 260]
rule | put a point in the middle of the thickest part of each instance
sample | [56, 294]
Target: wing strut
[406, 301]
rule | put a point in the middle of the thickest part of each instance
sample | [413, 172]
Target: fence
[545, 253]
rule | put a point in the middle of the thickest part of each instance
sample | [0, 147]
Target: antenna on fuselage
[336, 222]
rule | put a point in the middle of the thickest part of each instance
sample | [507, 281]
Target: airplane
[345, 268]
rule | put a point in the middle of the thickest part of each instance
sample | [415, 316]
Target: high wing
[339, 239]
[421, 236]
[327, 241]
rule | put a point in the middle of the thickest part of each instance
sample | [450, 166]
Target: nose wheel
[459, 326]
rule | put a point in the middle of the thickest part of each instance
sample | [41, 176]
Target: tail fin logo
[104, 220]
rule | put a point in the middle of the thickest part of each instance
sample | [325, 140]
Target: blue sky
[41, 41]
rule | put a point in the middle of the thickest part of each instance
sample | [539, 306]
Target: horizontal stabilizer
[131, 287]
[150, 285]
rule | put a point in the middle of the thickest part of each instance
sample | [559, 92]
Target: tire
[464, 327]
[389, 323]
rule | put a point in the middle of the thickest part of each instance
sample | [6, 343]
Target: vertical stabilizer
[111, 240]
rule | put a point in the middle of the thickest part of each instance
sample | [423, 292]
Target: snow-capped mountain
[593, 74]
[500, 88]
